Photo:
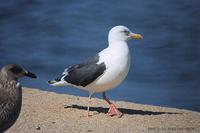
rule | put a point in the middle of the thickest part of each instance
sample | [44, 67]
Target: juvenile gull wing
[8, 109]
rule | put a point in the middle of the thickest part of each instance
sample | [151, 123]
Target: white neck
[114, 48]
[117, 44]
[112, 39]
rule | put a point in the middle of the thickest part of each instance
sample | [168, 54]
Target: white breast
[117, 61]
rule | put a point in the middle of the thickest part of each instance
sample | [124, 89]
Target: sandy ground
[48, 112]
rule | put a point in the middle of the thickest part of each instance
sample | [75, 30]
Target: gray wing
[85, 73]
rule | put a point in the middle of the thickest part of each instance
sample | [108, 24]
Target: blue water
[45, 36]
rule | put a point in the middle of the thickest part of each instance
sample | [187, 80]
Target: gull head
[122, 33]
[14, 71]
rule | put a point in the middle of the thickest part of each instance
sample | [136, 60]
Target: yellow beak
[136, 36]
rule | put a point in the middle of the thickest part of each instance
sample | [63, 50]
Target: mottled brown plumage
[11, 94]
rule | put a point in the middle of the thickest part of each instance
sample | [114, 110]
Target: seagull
[11, 94]
[104, 71]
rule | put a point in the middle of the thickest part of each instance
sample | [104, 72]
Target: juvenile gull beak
[29, 74]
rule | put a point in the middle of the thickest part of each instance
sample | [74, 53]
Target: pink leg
[88, 108]
[113, 111]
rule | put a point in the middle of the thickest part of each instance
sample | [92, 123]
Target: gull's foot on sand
[113, 111]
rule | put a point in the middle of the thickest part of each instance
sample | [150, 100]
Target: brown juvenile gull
[11, 94]
[105, 71]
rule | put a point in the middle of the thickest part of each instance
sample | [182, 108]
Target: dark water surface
[46, 36]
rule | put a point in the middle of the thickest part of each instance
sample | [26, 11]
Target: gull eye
[126, 32]
[16, 70]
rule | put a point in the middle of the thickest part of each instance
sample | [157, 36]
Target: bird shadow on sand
[123, 110]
